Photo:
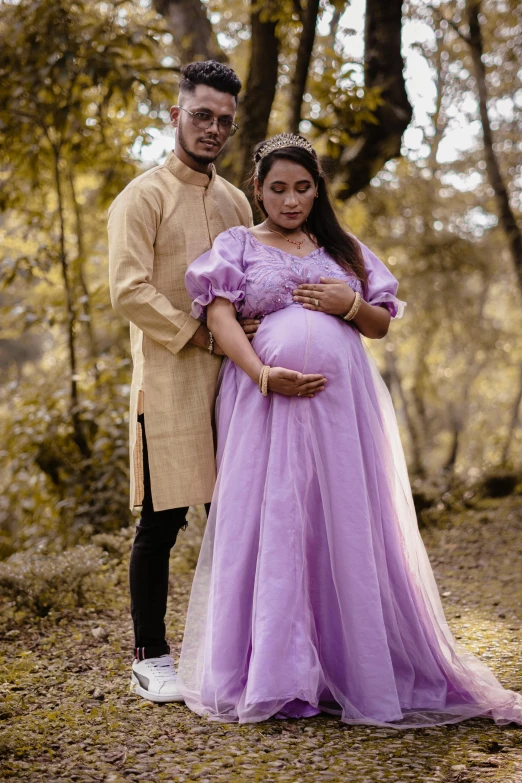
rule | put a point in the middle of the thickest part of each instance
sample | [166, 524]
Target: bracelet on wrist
[354, 309]
[210, 343]
[263, 380]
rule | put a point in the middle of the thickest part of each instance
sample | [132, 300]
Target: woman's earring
[259, 197]
[317, 194]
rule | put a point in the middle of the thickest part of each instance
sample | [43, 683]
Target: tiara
[284, 140]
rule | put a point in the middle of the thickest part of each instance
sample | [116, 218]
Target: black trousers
[156, 534]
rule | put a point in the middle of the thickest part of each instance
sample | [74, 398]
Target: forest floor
[68, 715]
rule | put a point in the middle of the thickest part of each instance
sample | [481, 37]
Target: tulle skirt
[313, 591]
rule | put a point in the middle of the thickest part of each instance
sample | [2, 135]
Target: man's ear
[174, 115]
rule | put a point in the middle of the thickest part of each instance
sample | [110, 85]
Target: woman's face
[288, 194]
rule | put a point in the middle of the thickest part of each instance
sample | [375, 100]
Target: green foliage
[39, 583]
[336, 102]
[72, 79]
[81, 85]
[77, 83]
[454, 362]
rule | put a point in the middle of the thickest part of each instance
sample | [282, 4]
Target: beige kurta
[158, 225]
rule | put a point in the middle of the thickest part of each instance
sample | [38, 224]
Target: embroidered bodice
[259, 279]
[271, 274]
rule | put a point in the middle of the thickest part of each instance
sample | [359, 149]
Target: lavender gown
[313, 591]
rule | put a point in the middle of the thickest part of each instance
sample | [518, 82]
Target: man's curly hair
[211, 73]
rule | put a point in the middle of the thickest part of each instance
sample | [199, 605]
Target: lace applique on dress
[272, 275]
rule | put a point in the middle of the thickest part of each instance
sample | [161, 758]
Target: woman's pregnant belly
[306, 341]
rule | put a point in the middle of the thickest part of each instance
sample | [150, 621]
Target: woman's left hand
[330, 296]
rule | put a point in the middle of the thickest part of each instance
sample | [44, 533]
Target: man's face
[202, 145]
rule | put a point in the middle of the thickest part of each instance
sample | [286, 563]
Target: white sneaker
[156, 679]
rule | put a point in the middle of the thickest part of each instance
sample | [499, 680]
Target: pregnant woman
[313, 591]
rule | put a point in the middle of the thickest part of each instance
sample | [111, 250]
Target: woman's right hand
[294, 384]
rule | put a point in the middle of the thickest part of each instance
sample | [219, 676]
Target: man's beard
[202, 160]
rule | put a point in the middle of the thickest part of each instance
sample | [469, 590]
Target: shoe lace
[163, 668]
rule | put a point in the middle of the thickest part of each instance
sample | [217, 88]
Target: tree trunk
[456, 430]
[515, 411]
[440, 87]
[256, 105]
[191, 29]
[80, 272]
[383, 68]
[458, 412]
[304, 55]
[507, 218]
[78, 433]
[417, 467]
[420, 375]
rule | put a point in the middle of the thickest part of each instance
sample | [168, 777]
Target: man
[161, 222]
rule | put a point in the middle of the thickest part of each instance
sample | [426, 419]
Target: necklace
[297, 244]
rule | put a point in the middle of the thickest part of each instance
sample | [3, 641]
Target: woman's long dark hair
[322, 221]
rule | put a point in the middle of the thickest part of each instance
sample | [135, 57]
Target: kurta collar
[188, 175]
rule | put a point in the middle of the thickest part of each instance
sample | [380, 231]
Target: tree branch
[383, 68]
[507, 218]
[304, 55]
[191, 29]
[437, 14]
[436, 116]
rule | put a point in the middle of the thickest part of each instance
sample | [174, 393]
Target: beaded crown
[284, 140]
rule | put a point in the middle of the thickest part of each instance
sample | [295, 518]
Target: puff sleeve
[381, 286]
[218, 273]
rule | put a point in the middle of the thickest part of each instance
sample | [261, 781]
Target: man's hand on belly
[250, 327]
[201, 337]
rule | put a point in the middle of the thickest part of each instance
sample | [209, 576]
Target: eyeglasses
[204, 120]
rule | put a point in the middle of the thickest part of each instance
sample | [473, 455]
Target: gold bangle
[264, 380]
[260, 380]
[354, 309]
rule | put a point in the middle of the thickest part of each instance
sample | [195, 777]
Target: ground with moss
[67, 714]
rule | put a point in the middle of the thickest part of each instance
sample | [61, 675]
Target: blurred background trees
[424, 162]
